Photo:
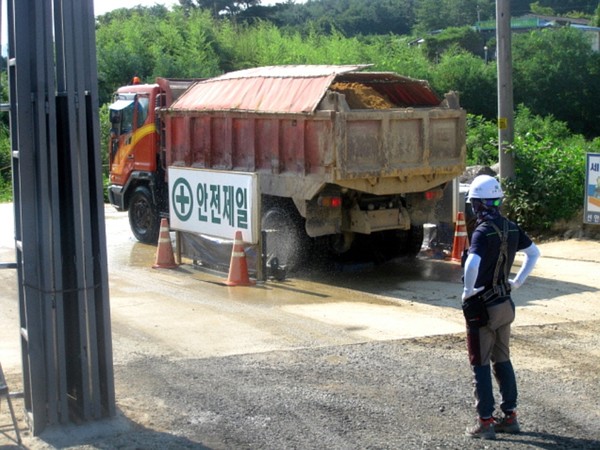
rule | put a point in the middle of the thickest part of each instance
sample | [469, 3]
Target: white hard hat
[485, 187]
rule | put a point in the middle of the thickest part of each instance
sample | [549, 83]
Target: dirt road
[369, 358]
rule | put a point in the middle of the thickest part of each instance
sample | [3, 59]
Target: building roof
[559, 19]
[534, 21]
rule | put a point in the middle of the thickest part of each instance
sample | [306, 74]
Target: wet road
[312, 308]
[192, 313]
[401, 299]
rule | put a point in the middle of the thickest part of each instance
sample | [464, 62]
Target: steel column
[59, 212]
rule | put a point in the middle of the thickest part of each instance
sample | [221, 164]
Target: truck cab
[136, 166]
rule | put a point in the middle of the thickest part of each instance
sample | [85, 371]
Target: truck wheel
[400, 242]
[143, 216]
[285, 238]
[413, 240]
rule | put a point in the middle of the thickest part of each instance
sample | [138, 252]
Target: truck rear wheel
[401, 242]
[286, 240]
[412, 240]
[144, 219]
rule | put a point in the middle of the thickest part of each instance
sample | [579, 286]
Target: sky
[104, 6]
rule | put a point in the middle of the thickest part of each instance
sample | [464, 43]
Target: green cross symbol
[181, 198]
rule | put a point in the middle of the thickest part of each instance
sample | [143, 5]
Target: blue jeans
[490, 345]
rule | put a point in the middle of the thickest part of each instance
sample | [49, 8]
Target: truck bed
[394, 150]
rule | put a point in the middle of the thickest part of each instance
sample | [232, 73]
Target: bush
[549, 167]
[482, 141]
[464, 37]
[549, 180]
[104, 117]
[5, 165]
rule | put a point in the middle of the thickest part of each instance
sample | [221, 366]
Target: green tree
[536, 8]
[5, 147]
[350, 17]
[439, 14]
[474, 80]
[395, 54]
[220, 8]
[560, 7]
[557, 73]
[265, 44]
[464, 37]
[185, 46]
[123, 51]
[144, 44]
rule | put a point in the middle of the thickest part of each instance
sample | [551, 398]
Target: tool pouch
[475, 312]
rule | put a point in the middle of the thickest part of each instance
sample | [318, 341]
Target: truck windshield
[123, 112]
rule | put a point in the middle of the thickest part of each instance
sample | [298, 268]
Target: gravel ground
[409, 394]
[391, 395]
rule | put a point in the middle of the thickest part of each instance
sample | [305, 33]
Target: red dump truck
[345, 158]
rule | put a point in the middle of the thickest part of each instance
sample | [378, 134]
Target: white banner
[215, 203]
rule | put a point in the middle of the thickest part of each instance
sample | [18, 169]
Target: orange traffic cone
[164, 252]
[238, 269]
[460, 237]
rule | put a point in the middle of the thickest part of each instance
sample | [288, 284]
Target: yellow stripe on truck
[141, 133]
[136, 137]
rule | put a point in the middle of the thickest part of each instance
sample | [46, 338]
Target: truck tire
[144, 219]
[285, 239]
[393, 244]
[413, 241]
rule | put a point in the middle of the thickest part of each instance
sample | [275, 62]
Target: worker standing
[488, 307]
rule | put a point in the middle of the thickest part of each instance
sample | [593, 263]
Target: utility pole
[505, 90]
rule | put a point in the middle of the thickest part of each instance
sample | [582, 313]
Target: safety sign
[592, 189]
[215, 203]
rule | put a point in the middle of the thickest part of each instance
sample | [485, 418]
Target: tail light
[434, 194]
[330, 201]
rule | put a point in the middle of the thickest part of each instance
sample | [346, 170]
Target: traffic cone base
[460, 237]
[164, 252]
[238, 268]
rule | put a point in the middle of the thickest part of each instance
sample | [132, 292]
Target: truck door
[120, 157]
[133, 137]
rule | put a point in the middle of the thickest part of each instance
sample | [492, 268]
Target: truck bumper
[115, 196]
[367, 222]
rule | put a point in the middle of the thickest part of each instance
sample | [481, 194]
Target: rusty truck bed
[306, 134]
